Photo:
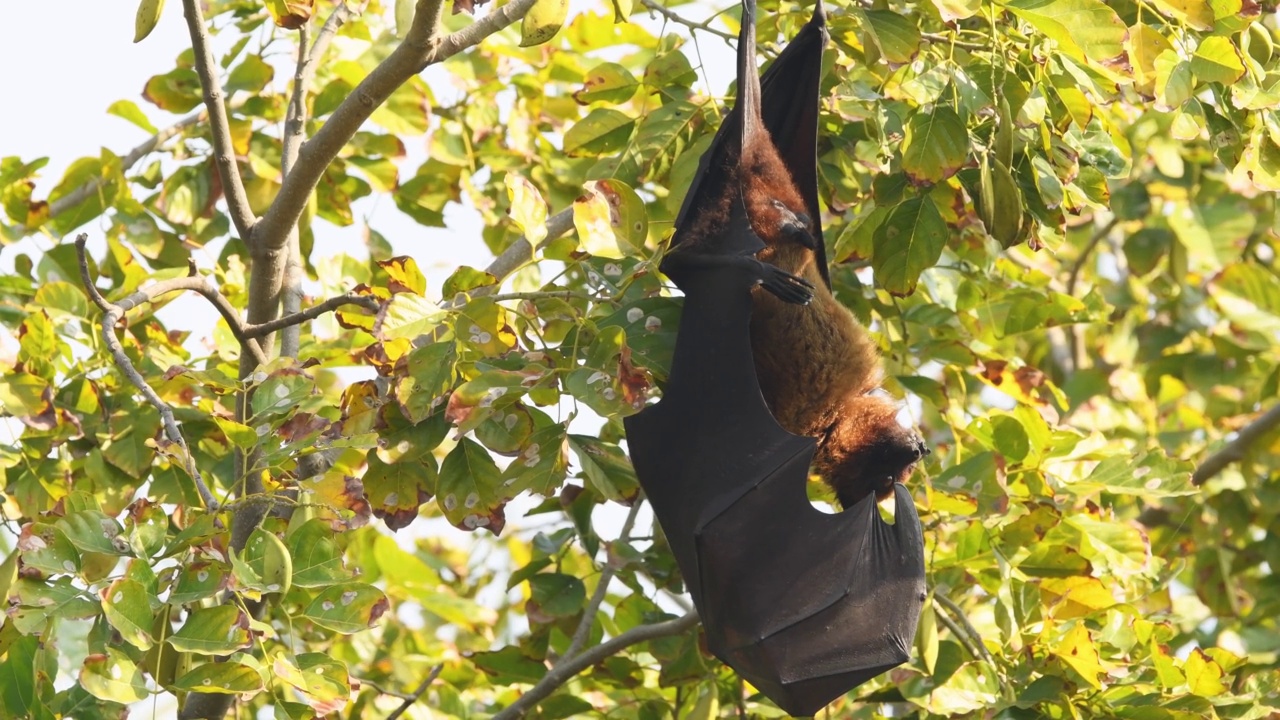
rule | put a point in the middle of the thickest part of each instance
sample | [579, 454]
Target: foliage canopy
[1057, 215]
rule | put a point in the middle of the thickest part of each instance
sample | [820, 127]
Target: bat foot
[787, 287]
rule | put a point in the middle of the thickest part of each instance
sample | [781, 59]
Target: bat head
[869, 450]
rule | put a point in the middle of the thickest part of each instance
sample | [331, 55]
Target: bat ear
[748, 102]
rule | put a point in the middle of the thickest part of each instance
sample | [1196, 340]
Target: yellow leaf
[1204, 676]
[1072, 597]
[528, 209]
[1078, 651]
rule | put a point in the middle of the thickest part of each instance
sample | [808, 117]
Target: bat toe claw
[785, 286]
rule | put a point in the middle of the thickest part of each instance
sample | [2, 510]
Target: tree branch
[565, 671]
[1075, 334]
[91, 187]
[1235, 450]
[417, 693]
[219, 129]
[583, 630]
[294, 127]
[704, 26]
[111, 314]
[521, 251]
[311, 313]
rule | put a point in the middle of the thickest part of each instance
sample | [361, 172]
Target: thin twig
[1235, 450]
[960, 615]
[545, 295]
[583, 631]
[417, 693]
[382, 689]
[111, 314]
[1075, 334]
[224, 153]
[91, 187]
[704, 26]
[947, 40]
[565, 671]
[365, 301]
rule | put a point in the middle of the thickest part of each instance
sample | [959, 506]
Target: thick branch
[422, 46]
[1236, 450]
[219, 129]
[111, 314]
[311, 313]
[199, 285]
[521, 251]
[565, 671]
[294, 127]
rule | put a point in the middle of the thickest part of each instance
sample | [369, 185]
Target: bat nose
[921, 449]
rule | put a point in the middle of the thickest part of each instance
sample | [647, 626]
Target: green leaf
[603, 131]
[1083, 29]
[218, 630]
[47, 549]
[317, 559]
[907, 243]
[130, 111]
[199, 580]
[935, 146]
[509, 665]
[606, 467]
[323, 681]
[1153, 475]
[557, 594]
[114, 677]
[347, 608]
[471, 493]
[228, 678]
[128, 607]
[895, 34]
[251, 75]
[607, 82]
[94, 531]
[1217, 60]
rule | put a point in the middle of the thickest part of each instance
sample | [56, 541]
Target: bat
[805, 605]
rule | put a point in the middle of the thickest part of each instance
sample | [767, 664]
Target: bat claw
[785, 286]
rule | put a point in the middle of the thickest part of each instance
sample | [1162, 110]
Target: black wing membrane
[804, 605]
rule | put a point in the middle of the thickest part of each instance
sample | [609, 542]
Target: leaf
[317, 559]
[557, 594]
[528, 209]
[396, 491]
[94, 531]
[610, 219]
[895, 34]
[1077, 650]
[1249, 296]
[509, 665]
[266, 556]
[1217, 60]
[1072, 597]
[322, 681]
[1204, 675]
[290, 14]
[471, 493]
[543, 21]
[347, 608]
[607, 82]
[907, 243]
[130, 111]
[602, 132]
[127, 606]
[252, 75]
[229, 678]
[199, 580]
[1083, 29]
[217, 630]
[112, 676]
[952, 10]
[1196, 13]
[47, 549]
[606, 467]
[935, 146]
[146, 19]
[1153, 475]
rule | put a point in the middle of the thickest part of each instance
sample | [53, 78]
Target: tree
[1056, 215]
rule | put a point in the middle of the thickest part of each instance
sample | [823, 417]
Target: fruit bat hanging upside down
[803, 604]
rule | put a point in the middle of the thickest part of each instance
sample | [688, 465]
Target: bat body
[803, 604]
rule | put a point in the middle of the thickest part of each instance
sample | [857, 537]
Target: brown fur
[817, 365]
